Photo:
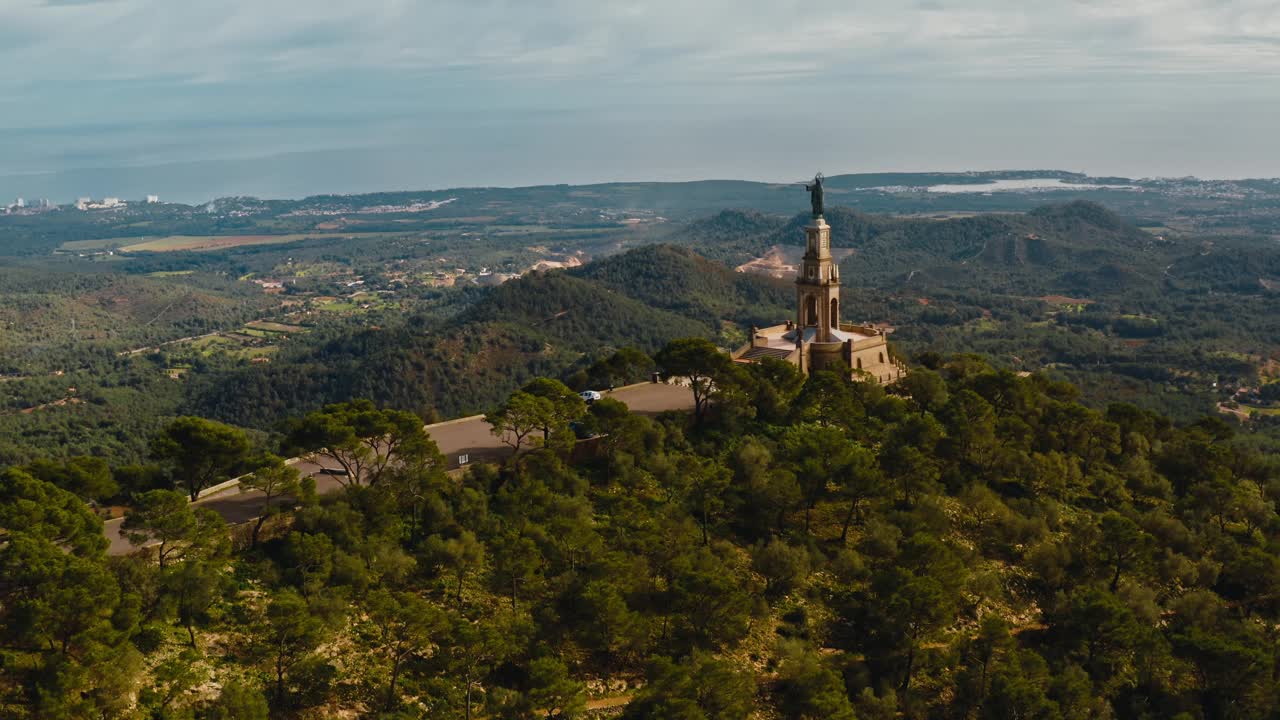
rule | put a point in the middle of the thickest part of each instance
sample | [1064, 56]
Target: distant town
[21, 206]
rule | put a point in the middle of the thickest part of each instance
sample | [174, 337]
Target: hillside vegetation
[49, 317]
[1168, 322]
[545, 323]
[677, 280]
[1074, 288]
[1079, 236]
[1155, 318]
[973, 544]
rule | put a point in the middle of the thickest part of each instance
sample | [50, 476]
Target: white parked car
[589, 396]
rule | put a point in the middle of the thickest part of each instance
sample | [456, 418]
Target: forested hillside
[1012, 250]
[1161, 319]
[731, 236]
[971, 544]
[1169, 322]
[50, 317]
[675, 279]
[545, 323]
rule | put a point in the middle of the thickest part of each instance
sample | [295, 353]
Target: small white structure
[153, 199]
[21, 203]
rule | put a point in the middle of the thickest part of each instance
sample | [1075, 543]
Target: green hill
[541, 324]
[968, 283]
[731, 236]
[682, 281]
[579, 313]
[1080, 245]
[968, 544]
[450, 370]
[50, 317]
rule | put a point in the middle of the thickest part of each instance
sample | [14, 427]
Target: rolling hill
[982, 283]
[49, 317]
[541, 324]
[679, 280]
[1062, 248]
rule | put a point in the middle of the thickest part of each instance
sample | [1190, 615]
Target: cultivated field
[206, 243]
[98, 244]
[274, 327]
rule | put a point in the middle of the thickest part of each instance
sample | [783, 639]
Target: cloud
[714, 39]
[81, 58]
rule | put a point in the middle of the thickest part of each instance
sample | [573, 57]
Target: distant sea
[316, 172]
[299, 156]
[197, 164]
[289, 175]
[1021, 185]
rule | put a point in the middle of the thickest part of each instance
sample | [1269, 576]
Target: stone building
[817, 339]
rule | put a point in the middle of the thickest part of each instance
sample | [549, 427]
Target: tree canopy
[975, 544]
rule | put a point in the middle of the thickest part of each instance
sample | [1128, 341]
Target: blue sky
[507, 92]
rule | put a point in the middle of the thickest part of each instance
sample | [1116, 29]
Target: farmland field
[222, 242]
[274, 327]
[338, 306]
[237, 346]
[99, 244]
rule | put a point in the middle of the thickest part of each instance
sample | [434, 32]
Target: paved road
[468, 438]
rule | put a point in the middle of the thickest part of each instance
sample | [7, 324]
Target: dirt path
[605, 703]
[1241, 414]
[150, 348]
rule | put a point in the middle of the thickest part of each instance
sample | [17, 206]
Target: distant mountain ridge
[1082, 242]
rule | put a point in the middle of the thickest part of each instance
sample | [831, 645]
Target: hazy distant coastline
[358, 171]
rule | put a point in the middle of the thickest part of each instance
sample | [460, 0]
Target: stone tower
[818, 284]
[817, 341]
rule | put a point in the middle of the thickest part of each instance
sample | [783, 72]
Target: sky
[281, 98]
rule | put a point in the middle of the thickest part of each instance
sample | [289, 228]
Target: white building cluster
[20, 206]
[86, 203]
